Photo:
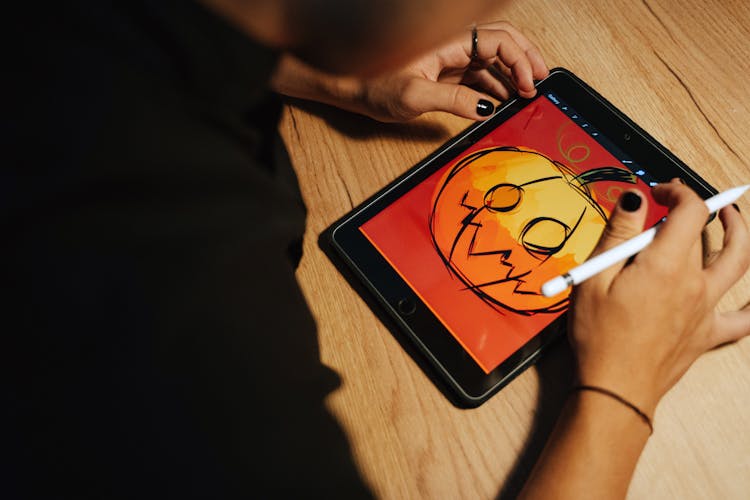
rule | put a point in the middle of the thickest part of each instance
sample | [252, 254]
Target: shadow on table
[556, 372]
[555, 369]
[362, 127]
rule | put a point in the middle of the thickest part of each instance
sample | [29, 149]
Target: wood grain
[679, 69]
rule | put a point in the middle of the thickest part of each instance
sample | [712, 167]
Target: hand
[636, 329]
[442, 80]
[445, 79]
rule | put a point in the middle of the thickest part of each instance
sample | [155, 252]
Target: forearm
[592, 451]
[294, 78]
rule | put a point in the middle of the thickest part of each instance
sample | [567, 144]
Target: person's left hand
[444, 79]
[447, 79]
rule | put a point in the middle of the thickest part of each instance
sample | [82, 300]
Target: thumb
[730, 327]
[626, 222]
[425, 95]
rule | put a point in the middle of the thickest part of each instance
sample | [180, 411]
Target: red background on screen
[401, 234]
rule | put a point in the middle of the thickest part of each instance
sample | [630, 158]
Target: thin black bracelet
[619, 398]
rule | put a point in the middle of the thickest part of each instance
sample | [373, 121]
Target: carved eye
[544, 236]
[503, 197]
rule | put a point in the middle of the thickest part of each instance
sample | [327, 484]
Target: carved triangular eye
[503, 197]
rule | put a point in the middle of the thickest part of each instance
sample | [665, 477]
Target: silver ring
[474, 43]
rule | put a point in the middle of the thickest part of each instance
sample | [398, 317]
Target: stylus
[597, 264]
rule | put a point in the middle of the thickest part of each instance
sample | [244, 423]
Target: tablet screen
[477, 239]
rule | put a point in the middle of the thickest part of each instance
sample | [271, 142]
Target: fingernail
[630, 201]
[485, 107]
[736, 207]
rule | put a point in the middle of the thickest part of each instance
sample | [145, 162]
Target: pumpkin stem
[606, 174]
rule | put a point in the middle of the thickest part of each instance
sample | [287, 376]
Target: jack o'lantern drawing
[506, 219]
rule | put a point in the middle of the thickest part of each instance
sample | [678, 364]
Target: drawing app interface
[477, 239]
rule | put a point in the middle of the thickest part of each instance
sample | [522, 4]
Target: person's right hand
[636, 329]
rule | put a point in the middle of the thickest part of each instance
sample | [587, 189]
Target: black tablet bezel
[471, 384]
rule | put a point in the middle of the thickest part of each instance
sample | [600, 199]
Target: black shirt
[157, 342]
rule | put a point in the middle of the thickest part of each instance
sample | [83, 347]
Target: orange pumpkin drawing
[505, 220]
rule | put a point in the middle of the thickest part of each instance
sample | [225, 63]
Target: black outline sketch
[579, 183]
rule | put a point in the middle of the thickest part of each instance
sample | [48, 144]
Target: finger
[708, 255]
[538, 66]
[485, 80]
[500, 43]
[695, 254]
[421, 96]
[626, 222]
[730, 327]
[500, 69]
[677, 235]
[733, 259]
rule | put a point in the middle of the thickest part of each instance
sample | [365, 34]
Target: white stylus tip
[554, 286]
[725, 198]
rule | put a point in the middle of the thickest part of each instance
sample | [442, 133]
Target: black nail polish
[485, 107]
[736, 207]
[630, 201]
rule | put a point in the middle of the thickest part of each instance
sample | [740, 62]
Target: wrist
[637, 389]
[647, 420]
[592, 451]
[603, 414]
[631, 381]
[295, 78]
[347, 93]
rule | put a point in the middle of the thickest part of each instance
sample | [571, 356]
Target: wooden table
[679, 69]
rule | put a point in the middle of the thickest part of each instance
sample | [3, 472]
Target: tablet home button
[406, 306]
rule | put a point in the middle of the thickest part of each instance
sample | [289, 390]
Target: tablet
[456, 249]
